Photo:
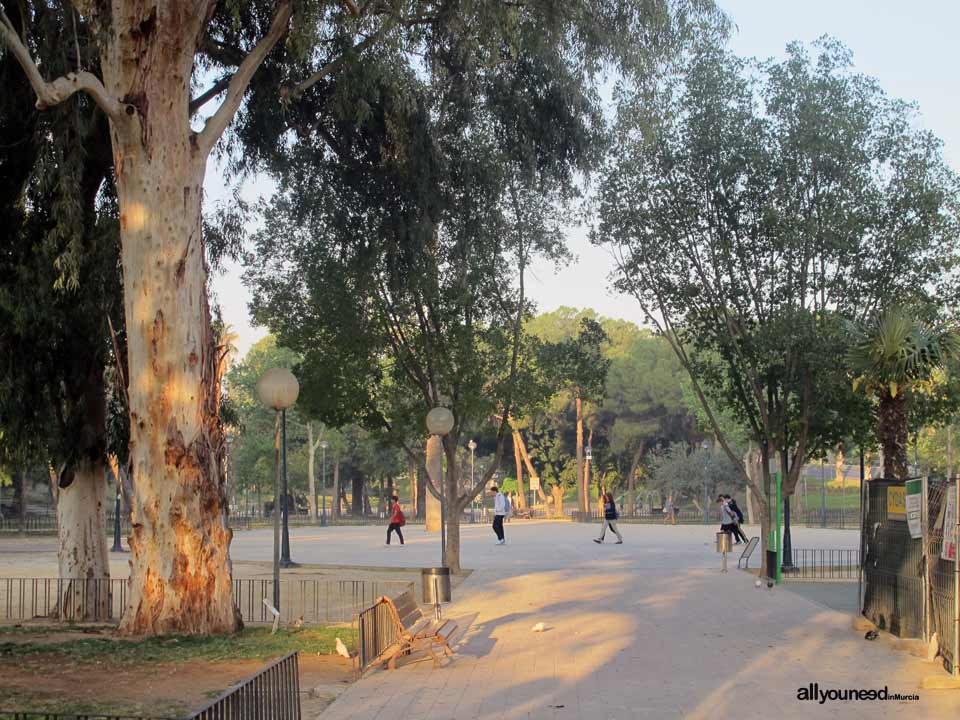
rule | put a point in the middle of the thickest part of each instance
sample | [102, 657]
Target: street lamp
[439, 423]
[588, 455]
[278, 389]
[117, 545]
[473, 446]
[705, 446]
[323, 483]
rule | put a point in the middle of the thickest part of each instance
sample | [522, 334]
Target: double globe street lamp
[278, 389]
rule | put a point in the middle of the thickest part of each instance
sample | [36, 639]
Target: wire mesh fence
[940, 570]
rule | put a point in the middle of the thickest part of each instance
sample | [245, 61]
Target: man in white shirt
[499, 512]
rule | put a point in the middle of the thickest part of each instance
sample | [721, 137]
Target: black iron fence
[823, 564]
[271, 694]
[104, 600]
[690, 516]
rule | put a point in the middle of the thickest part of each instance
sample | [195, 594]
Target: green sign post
[775, 536]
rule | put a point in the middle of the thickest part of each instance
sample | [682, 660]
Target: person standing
[668, 511]
[397, 520]
[499, 513]
[737, 531]
[609, 519]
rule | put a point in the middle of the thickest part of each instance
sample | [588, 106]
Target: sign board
[949, 551]
[896, 503]
[913, 503]
[534, 482]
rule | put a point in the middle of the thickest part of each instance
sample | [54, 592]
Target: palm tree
[889, 357]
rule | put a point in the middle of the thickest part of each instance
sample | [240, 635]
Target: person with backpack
[737, 532]
[610, 516]
[397, 520]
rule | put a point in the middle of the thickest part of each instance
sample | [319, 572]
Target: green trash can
[435, 583]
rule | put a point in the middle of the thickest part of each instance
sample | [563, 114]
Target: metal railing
[824, 564]
[105, 600]
[654, 516]
[377, 632]
[271, 694]
[62, 599]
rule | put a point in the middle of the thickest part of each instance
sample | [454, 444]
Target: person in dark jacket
[737, 532]
[609, 519]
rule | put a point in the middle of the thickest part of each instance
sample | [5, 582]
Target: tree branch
[293, 93]
[55, 92]
[240, 81]
[217, 88]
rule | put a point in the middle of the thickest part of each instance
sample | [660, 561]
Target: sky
[910, 47]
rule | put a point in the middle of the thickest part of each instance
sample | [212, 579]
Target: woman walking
[397, 520]
[609, 519]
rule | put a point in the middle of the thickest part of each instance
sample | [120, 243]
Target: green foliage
[681, 470]
[754, 207]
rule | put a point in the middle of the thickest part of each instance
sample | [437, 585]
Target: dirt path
[156, 689]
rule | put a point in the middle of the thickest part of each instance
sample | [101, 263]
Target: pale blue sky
[910, 47]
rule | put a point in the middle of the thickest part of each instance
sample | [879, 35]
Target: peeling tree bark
[82, 532]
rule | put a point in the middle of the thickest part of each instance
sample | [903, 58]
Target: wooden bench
[414, 631]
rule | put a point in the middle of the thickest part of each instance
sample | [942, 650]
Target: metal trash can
[724, 542]
[435, 584]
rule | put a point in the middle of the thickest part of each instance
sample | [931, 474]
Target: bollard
[724, 546]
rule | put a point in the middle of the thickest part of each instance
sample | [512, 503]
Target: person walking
[500, 505]
[728, 520]
[737, 531]
[509, 497]
[609, 519]
[397, 520]
[670, 513]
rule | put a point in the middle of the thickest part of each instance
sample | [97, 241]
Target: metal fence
[104, 600]
[377, 632]
[39, 715]
[942, 580]
[271, 694]
[894, 588]
[823, 564]
[654, 516]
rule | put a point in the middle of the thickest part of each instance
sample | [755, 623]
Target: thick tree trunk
[83, 556]
[530, 469]
[356, 490]
[434, 463]
[180, 572]
[892, 416]
[557, 492]
[311, 473]
[581, 496]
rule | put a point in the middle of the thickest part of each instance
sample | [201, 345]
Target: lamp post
[439, 423]
[278, 389]
[323, 484]
[473, 446]
[117, 545]
[705, 446]
[588, 456]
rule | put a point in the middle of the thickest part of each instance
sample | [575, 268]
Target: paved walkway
[648, 629]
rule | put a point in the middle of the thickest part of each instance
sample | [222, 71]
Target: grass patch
[250, 644]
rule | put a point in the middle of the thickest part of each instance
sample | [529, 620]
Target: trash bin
[436, 585]
[724, 542]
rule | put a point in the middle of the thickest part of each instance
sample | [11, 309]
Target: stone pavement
[647, 629]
